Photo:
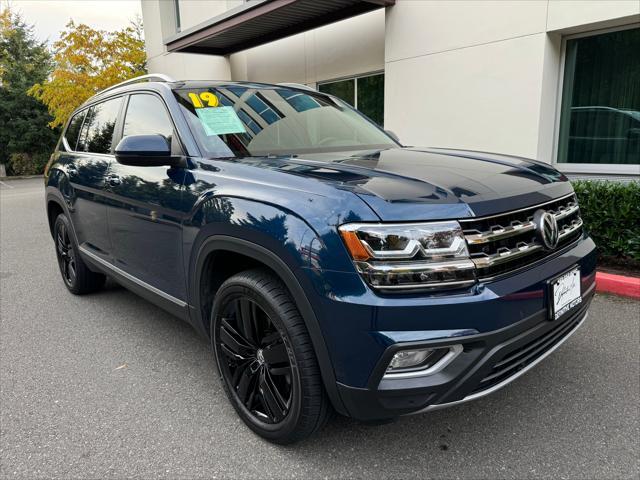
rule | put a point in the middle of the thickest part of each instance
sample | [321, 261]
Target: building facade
[555, 80]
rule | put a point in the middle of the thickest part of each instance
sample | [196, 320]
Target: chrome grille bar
[499, 233]
[507, 240]
[569, 229]
[506, 255]
[566, 211]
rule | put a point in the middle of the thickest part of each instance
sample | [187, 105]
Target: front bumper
[504, 329]
[488, 362]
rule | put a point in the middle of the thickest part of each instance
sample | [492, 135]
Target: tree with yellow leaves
[87, 61]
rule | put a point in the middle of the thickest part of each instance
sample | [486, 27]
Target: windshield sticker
[207, 97]
[220, 120]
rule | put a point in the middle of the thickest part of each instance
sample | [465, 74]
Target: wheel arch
[260, 256]
[56, 206]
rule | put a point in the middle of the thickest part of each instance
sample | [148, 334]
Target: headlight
[410, 256]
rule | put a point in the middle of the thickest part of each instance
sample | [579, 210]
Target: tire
[261, 343]
[76, 276]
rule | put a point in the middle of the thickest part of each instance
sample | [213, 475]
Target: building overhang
[261, 21]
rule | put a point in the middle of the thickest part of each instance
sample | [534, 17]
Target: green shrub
[611, 213]
[27, 163]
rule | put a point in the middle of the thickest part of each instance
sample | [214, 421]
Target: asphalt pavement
[110, 386]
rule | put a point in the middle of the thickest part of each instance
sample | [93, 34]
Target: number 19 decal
[208, 97]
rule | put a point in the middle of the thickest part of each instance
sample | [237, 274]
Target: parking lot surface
[109, 386]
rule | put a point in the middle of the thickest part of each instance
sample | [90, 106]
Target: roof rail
[152, 77]
[301, 86]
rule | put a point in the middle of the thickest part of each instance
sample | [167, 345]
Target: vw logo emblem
[547, 228]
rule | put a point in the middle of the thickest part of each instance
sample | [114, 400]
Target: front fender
[296, 283]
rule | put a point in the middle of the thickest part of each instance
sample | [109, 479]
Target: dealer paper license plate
[565, 291]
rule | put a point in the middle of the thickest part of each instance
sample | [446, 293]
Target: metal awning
[261, 21]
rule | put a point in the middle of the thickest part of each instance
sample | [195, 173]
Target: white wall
[159, 23]
[342, 49]
[346, 48]
[484, 75]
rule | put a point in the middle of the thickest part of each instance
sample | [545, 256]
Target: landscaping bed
[611, 214]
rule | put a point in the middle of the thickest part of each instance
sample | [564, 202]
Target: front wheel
[265, 358]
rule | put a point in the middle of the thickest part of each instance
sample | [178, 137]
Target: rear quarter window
[98, 127]
[73, 130]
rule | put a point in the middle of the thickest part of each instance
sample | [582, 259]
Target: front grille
[520, 358]
[500, 244]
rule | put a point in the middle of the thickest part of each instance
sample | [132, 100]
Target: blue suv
[331, 268]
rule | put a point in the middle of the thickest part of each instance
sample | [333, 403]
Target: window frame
[65, 143]
[116, 130]
[586, 168]
[355, 85]
[123, 112]
[114, 138]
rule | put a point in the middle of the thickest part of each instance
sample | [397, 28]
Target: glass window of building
[600, 116]
[364, 93]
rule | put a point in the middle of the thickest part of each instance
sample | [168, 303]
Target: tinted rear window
[100, 122]
[73, 130]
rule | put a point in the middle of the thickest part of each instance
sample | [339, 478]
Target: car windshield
[239, 120]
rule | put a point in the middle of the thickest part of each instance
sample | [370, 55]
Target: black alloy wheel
[66, 255]
[266, 359]
[255, 360]
[77, 277]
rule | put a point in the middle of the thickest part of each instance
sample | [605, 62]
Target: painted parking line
[3, 184]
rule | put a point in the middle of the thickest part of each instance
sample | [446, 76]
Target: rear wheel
[76, 275]
[265, 358]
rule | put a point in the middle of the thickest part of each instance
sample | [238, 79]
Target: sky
[50, 16]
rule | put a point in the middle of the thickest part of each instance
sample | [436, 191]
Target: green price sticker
[220, 120]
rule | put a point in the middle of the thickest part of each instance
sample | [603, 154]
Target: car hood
[412, 184]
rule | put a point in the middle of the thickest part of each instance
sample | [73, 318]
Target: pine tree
[26, 139]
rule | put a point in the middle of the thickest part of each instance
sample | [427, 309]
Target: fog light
[421, 361]
[405, 359]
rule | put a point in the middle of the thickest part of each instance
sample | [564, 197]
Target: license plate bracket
[565, 293]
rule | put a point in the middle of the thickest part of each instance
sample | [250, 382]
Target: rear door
[145, 204]
[87, 168]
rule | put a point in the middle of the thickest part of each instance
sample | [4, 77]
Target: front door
[144, 206]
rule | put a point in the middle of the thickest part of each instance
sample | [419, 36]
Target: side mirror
[146, 151]
[392, 134]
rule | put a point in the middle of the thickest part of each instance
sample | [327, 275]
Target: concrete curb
[618, 285]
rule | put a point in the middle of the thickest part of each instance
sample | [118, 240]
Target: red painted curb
[618, 285]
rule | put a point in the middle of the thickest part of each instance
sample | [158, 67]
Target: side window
[73, 129]
[147, 115]
[100, 122]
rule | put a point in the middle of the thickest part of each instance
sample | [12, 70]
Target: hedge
[611, 213]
